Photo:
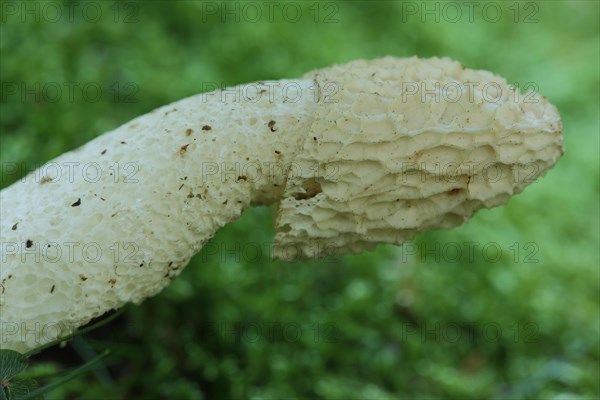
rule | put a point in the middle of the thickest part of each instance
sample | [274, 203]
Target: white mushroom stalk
[352, 156]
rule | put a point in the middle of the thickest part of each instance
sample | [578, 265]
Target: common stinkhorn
[351, 156]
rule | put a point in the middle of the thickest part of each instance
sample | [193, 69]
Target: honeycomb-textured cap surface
[400, 146]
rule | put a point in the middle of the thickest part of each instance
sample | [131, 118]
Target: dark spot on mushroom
[141, 264]
[315, 138]
[311, 188]
[77, 203]
[225, 202]
[189, 131]
[454, 192]
[271, 126]
[28, 243]
[112, 281]
[52, 288]
[134, 125]
[123, 142]
[286, 228]
[277, 152]
[170, 263]
[45, 179]
[83, 278]
[242, 178]
[170, 111]
[103, 152]
[206, 128]
[190, 195]
[183, 149]
[114, 214]
[180, 186]
[14, 227]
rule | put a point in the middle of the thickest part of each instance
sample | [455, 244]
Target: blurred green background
[418, 321]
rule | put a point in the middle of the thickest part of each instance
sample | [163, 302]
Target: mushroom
[352, 156]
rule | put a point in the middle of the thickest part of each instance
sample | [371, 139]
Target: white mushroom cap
[408, 145]
[356, 159]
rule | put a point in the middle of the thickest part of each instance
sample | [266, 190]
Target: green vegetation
[426, 320]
